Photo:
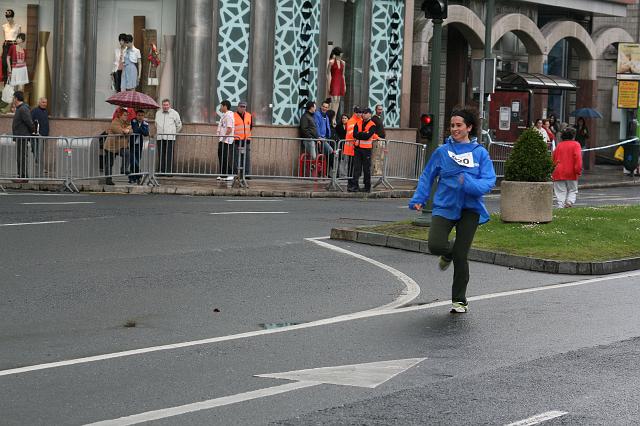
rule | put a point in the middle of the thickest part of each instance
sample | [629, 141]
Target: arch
[555, 31]
[463, 18]
[584, 45]
[523, 27]
[609, 35]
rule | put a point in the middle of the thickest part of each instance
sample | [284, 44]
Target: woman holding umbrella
[117, 143]
[582, 132]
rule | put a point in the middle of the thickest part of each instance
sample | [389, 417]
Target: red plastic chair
[312, 168]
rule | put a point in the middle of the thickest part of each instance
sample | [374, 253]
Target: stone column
[75, 58]
[194, 48]
[587, 97]
[263, 15]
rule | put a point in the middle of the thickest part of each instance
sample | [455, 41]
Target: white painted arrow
[369, 375]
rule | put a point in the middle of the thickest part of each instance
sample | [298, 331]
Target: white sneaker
[228, 178]
[459, 308]
[218, 178]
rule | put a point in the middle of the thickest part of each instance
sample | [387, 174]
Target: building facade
[274, 53]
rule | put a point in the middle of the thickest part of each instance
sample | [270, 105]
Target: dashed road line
[539, 418]
[32, 223]
[230, 213]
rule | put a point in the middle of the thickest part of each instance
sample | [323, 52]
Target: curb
[492, 257]
[203, 191]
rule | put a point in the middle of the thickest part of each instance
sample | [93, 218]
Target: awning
[525, 80]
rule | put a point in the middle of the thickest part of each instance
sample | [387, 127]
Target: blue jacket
[452, 163]
[322, 124]
[139, 129]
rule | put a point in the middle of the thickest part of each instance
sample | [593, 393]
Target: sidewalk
[601, 176]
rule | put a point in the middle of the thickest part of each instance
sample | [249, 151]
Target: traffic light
[435, 9]
[426, 126]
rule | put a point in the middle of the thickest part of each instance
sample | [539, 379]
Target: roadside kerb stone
[487, 256]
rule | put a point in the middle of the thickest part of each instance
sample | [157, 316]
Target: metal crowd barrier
[105, 157]
[34, 158]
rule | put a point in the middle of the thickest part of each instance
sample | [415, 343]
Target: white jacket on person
[168, 124]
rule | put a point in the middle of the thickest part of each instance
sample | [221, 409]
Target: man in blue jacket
[465, 173]
[139, 129]
[323, 124]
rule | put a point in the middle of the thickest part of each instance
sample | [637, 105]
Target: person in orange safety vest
[243, 124]
[364, 134]
[348, 148]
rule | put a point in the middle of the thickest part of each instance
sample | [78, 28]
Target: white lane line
[327, 321]
[534, 420]
[411, 291]
[270, 200]
[203, 405]
[60, 203]
[249, 213]
[32, 223]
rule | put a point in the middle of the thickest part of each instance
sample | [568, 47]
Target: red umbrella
[133, 99]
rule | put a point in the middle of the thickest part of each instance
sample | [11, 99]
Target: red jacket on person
[568, 161]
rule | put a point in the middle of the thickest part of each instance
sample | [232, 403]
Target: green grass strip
[576, 234]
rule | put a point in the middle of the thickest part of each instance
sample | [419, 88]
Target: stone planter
[526, 201]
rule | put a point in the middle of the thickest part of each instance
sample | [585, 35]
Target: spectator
[582, 132]
[546, 125]
[117, 144]
[22, 128]
[139, 129]
[568, 167]
[323, 125]
[225, 140]
[242, 137]
[40, 118]
[168, 124]
[378, 120]
[554, 125]
[308, 130]
[118, 63]
[341, 127]
[542, 131]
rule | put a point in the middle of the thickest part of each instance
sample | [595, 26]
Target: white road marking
[60, 203]
[270, 200]
[327, 321]
[249, 213]
[32, 223]
[203, 405]
[539, 418]
[368, 375]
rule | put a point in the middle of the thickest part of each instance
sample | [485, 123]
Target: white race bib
[465, 160]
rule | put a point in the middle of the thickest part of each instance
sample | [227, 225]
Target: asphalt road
[85, 278]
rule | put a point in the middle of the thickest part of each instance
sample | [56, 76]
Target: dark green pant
[458, 251]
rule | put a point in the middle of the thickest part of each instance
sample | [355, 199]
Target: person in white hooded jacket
[168, 124]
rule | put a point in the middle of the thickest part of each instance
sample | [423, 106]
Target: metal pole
[434, 106]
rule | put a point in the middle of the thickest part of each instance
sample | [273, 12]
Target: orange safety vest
[348, 145]
[368, 143]
[242, 130]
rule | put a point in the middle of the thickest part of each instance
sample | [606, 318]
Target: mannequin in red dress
[336, 84]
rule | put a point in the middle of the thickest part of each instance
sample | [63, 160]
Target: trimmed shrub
[530, 160]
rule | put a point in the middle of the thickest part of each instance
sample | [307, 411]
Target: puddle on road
[272, 325]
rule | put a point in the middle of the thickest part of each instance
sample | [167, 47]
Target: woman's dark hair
[470, 117]
[226, 103]
[584, 123]
[336, 51]
[568, 134]
[123, 37]
[21, 36]
[9, 13]
[344, 116]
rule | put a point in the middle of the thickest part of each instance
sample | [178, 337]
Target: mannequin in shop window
[118, 63]
[132, 67]
[335, 79]
[11, 31]
[17, 63]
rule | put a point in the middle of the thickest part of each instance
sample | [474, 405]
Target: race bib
[465, 160]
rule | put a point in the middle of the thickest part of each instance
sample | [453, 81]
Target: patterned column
[296, 55]
[261, 64]
[387, 34]
[234, 22]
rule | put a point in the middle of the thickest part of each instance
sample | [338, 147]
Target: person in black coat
[21, 128]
